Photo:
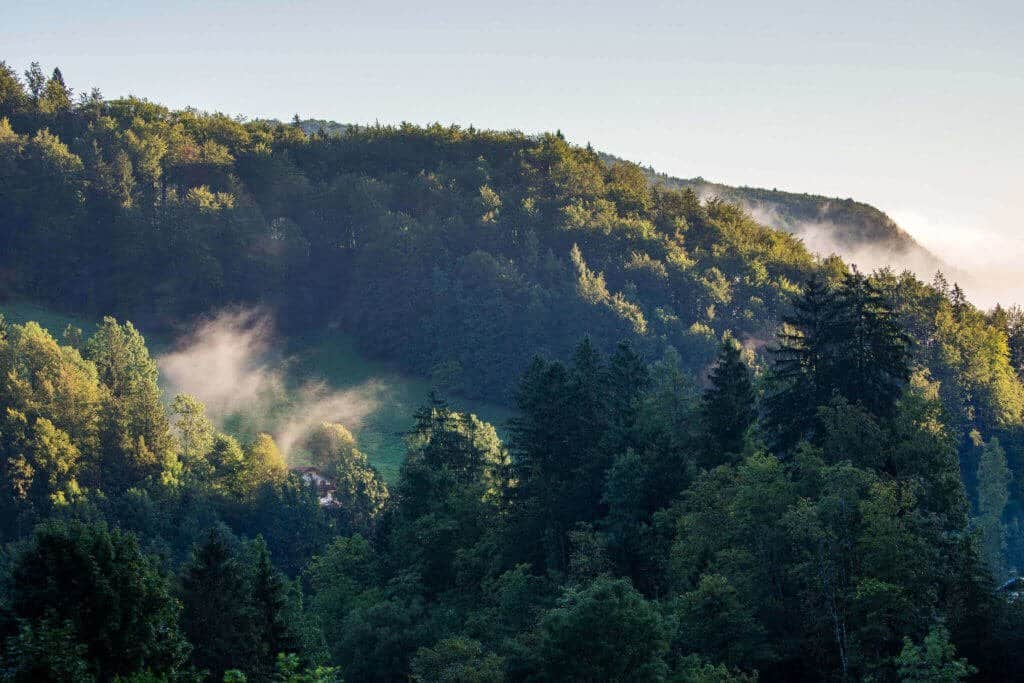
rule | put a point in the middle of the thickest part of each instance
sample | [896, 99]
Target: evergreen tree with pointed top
[217, 617]
[628, 381]
[802, 365]
[273, 618]
[728, 406]
[844, 341]
[871, 364]
[559, 442]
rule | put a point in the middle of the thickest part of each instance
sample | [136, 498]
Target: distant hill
[859, 232]
[310, 126]
[314, 126]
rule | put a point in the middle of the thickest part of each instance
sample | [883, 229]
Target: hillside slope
[458, 254]
[858, 232]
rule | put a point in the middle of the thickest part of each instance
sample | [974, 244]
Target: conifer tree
[273, 618]
[802, 365]
[728, 407]
[628, 381]
[843, 341]
[83, 583]
[871, 364]
[218, 617]
[993, 495]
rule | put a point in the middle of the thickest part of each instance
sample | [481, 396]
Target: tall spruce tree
[628, 381]
[838, 341]
[802, 365]
[218, 617]
[871, 357]
[561, 447]
[274, 620]
[728, 407]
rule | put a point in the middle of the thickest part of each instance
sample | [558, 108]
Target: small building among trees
[325, 487]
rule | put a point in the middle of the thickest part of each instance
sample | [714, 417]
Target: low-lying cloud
[231, 363]
[989, 259]
[225, 364]
[983, 263]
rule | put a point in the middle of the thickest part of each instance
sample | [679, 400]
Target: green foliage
[574, 422]
[477, 238]
[602, 631]
[993, 495]
[360, 492]
[290, 670]
[457, 660]
[135, 434]
[341, 579]
[195, 434]
[82, 583]
[843, 341]
[934, 660]
[729, 408]
[844, 222]
[217, 616]
[262, 463]
[44, 651]
[238, 609]
[715, 622]
[450, 490]
[692, 669]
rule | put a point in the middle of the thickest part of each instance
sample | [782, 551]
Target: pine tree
[993, 495]
[843, 341]
[218, 617]
[273, 621]
[871, 364]
[728, 407]
[561, 463]
[802, 365]
[628, 381]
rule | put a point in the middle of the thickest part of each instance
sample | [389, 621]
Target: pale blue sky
[916, 107]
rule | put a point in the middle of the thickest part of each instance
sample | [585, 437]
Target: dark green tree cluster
[637, 527]
[640, 529]
[842, 342]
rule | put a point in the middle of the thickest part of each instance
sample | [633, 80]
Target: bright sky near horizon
[915, 107]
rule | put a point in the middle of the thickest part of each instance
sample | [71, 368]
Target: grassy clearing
[20, 312]
[334, 357]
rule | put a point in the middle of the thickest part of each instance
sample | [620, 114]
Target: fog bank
[233, 364]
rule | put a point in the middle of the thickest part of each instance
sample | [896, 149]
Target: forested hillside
[453, 251]
[827, 225]
[728, 461]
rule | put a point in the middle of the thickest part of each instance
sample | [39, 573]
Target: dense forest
[730, 460]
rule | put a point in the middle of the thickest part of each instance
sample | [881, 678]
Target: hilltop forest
[730, 459]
